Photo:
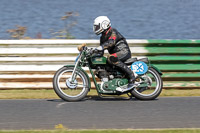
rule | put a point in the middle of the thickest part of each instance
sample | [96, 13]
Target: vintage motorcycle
[72, 83]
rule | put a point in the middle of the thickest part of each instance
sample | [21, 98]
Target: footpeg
[126, 87]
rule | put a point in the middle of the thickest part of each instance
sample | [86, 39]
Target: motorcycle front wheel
[151, 86]
[68, 89]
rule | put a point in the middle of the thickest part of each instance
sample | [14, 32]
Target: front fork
[72, 79]
[74, 71]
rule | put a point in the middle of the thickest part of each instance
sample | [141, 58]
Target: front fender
[89, 81]
[158, 70]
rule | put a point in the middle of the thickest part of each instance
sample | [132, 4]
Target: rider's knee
[112, 59]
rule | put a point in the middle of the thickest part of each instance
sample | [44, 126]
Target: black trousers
[118, 59]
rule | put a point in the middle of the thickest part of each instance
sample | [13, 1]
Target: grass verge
[105, 131]
[50, 94]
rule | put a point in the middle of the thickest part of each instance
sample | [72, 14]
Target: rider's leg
[113, 59]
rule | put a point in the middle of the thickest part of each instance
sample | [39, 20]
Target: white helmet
[101, 23]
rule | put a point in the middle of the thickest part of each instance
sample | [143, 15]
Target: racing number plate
[139, 67]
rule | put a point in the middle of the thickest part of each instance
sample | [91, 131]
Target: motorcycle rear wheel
[153, 89]
[70, 90]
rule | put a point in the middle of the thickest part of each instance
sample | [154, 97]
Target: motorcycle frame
[81, 62]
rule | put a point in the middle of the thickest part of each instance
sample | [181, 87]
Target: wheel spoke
[68, 88]
[150, 85]
[80, 85]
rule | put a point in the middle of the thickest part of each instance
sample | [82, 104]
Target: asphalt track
[171, 112]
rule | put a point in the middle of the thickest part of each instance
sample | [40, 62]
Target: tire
[65, 89]
[139, 92]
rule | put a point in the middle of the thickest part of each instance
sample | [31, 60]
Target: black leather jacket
[114, 42]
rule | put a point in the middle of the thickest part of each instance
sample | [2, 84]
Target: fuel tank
[99, 60]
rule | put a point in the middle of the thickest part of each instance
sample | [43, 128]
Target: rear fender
[158, 70]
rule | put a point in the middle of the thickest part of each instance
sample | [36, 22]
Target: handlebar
[89, 51]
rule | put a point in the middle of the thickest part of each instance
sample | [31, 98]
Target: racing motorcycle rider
[116, 45]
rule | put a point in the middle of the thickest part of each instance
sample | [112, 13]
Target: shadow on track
[98, 98]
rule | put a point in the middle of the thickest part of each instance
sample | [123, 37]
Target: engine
[108, 73]
[102, 74]
[110, 78]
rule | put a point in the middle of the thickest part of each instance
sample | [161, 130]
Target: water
[135, 19]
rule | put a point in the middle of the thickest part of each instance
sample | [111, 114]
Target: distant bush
[68, 19]
[17, 33]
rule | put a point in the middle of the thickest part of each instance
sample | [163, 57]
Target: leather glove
[80, 47]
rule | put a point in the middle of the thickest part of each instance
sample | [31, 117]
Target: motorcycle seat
[144, 59]
[131, 60]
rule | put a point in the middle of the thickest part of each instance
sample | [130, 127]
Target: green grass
[27, 94]
[107, 131]
[50, 94]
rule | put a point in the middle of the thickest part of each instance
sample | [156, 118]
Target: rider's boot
[131, 81]
[129, 72]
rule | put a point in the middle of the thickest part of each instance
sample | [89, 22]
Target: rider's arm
[110, 43]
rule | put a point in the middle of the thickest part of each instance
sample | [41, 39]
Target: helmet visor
[96, 27]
